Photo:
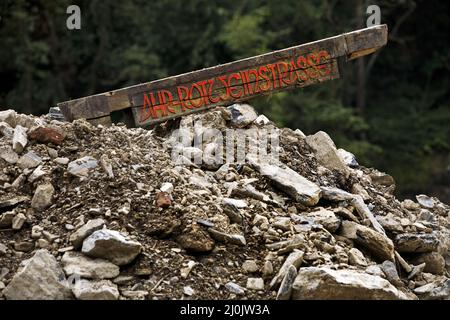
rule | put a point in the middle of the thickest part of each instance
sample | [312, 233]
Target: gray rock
[390, 222]
[6, 130]
[29, 160]
[81, 167]
[8, 154]
[77, 263]
[336, 194]
[377, 243]
[324, 217]
[20, 139]
[107, 166]
[326, 153]
[250, 266]
[434, 291]
[375, 270]
[196, 241]
[85, 231]
[6, 219]
[62, 161]
[40, 279]
[382, 179]
[95, 290]
[234, 288]
[242, 114]
[23, 246]
[314, 283]
[262, 120]
[231, 209]
[43, 196]
[8, 116]
[356, 258]
[390, 271]
[434, 262]
[112, 246]
[289, 181]
[267, 269]
[187, 290]
[283, 223]
[36, 174]
[285, 290]
[236, 239]
[18, 221]
[3, 249]
[425, 201]
[416, 242]
[255, 284]
[348, 158]
[295, 259]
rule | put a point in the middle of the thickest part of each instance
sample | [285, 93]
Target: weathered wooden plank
[171, 97]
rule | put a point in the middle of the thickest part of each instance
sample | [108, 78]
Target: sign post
[225, 84]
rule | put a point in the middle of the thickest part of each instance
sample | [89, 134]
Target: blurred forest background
[391, 109]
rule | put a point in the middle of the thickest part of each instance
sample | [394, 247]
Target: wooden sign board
[172, 97]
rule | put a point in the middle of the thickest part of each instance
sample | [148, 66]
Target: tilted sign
[226, 84]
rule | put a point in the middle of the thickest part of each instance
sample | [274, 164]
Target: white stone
[85, 267]
[255, 284]
[112, 246]
[95, 290]
[166, 187]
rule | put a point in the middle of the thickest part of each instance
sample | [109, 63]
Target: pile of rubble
[93, 212]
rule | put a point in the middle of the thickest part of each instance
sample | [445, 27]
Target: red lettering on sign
[237, 94]
[237, 85]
